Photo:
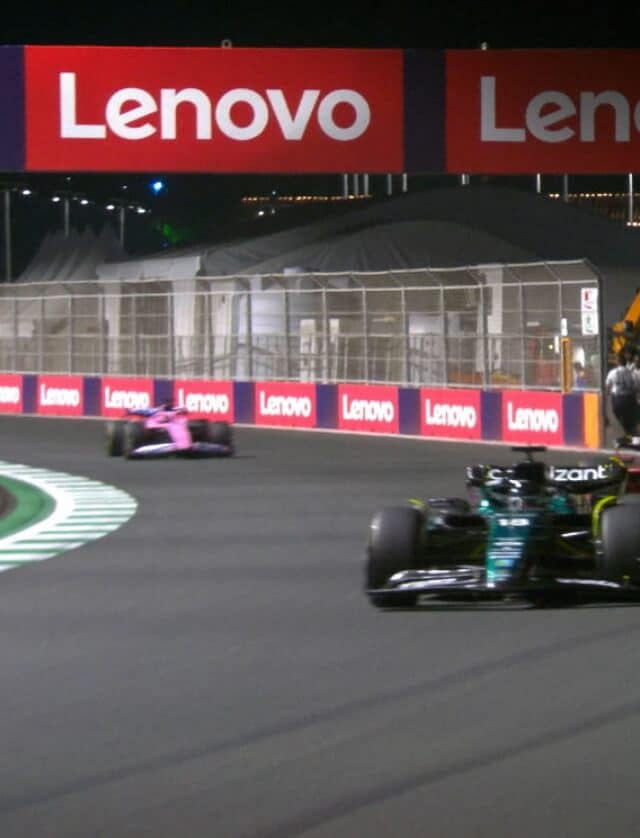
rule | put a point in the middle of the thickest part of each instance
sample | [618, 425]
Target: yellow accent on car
[596, 512]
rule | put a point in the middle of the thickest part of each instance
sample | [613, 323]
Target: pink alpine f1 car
[167, 431]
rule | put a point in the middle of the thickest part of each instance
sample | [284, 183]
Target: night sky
[437, 24]
[197, 205]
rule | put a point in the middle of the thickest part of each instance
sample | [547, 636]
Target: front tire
[394, 545]
[221, 433]
[199, 430]
[115, 438]
[620, 535]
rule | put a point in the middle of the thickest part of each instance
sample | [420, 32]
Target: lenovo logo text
[450, 415]
[9, 395]
[126, 399]
[133, 113]
[532, 419]
[552, 116]
[367, 410]
[59, 396]
[298, 406]
[204, 402]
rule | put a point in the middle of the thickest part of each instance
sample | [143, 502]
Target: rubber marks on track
[84, 511]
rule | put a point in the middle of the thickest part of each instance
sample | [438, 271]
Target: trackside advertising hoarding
[117, 395]
[60, 395]
[368, 407]
[532, 417]
[11, 400]
[510, 416]
[285, 404]
[455, 414]
[205, 399]
[213, 109]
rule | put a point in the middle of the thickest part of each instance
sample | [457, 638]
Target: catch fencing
[491, 326]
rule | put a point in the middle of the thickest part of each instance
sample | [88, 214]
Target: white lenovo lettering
[130, 105]
[126, 399]
[367, 410]
[9, 395]
[450, 415]
[213, 403]
[59, 396]
[532, 419]
[299, 406]
[552, 116]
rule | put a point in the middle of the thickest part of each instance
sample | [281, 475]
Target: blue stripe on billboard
[12, 108]
[424, 111]
[326, 405]
[409, 407]
[243, 402]
[491, 413]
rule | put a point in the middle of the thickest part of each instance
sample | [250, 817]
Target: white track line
[84, 511]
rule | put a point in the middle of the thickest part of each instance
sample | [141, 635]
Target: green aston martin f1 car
[542, 533]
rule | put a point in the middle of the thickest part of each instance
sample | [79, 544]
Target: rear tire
[115, 438]
[620, 533]
[394, 545]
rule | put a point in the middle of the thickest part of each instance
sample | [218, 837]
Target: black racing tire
[394, 545]
[115, 438]
[620, 534]
[133, 437]
[221, 433]
[199, 430]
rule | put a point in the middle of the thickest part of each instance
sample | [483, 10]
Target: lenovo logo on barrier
[285, 403]
[450, 413]
[121, 394]
[368, 408]
[224, 110]
[10, 393]
[206, 399]
[532, 416]
[60, 395]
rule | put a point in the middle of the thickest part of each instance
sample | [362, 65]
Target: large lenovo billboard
[249, 110]
[224, 110]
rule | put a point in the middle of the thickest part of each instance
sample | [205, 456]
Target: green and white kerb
[77, 510]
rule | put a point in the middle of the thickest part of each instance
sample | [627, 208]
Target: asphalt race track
[214, 669]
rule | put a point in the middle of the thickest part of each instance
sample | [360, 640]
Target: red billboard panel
[60, 395]
[285, 403]
[117, 395]
[532, 417]
[368, 407]
[214, 110]
[10, 393]
[205, 399]
[545, 110]
[454, 414]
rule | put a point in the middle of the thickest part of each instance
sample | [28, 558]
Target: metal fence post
[365, 335]
[325, 336]
[70, 342]
[407, 338]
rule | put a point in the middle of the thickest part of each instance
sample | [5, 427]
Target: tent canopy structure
[442, 227]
